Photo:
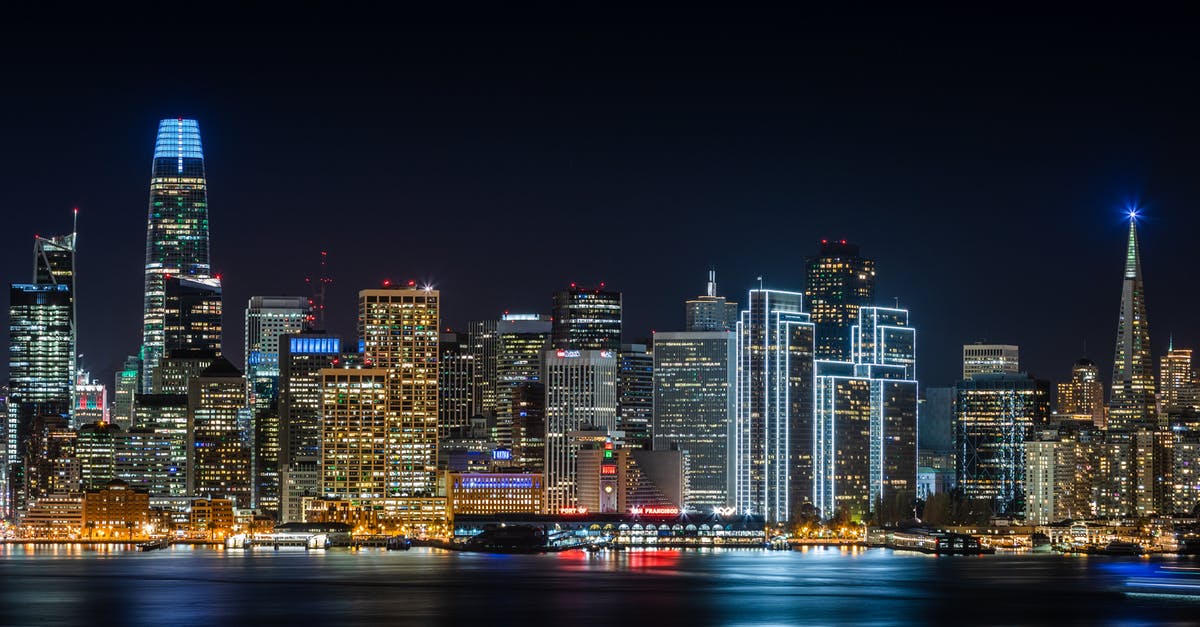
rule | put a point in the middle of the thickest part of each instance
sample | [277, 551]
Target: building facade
[710, 312]
[586, 319]
[839, 280]
[635, 395]
[219, 450]
[980, 358]
[581, 392]
[1131, 405]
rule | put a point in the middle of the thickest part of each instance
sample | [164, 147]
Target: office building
[586, 319]
[1176, 379]
[41, 358]
[176, 228]
[710, 312]
[456, 383]
[995, 413]
[127, 385]
[838, 281]
[302, 357]
[694, 375]
[1082, 398]
[773, 428]
[116, 510]
[91, 401]
[635, 395]
[581, 393]
[355, 443]
[484, 347]
[161, 419]
[1050, 479]
[97, 446]
[980, 358]
[936, 427]
[219, 449]
[521, 339]
[494, 493]
[192, 310]
[620, 480]
[1131, 405]
[529, 426]
[178, 367]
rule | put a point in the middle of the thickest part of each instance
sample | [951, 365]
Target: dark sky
[983, 162]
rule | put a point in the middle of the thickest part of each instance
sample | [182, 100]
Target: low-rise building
[493, 493]
[116, 511]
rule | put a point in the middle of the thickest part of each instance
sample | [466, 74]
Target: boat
[153, 545]
[399, 543]
[508, 539]
[1117, 547]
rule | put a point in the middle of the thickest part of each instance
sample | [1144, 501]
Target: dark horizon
[985, 168]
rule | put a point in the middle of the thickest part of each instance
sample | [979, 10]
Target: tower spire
[1132, 402]
[1133, 264]
[711, 288]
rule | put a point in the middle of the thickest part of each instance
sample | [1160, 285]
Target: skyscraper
[355, 451]
[773, 429]
[218, 448]
[456, 383]
[302, 357]
[398, 327]
[980, 358]
[1176, 377]
[127, 385]
[635, 395]
[521, 341]
[1083, 395]
[41, 358]
[581, 392]
[995, 414]
[710, 312]
[694, 375]
[192, 312]
[484, 346]
[176, 228]
[587, 319]
[838, 281]
[1131, 404]
[267, 319]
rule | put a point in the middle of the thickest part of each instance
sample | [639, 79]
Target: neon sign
[654, 511]
[724, 511]
[573, 511]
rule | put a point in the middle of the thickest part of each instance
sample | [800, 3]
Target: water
[65, 585]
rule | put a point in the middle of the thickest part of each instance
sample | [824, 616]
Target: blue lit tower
[1132, 402]
[176, 227]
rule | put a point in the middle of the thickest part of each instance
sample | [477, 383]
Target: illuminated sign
[493, 483]
[501, 454]
[724, 511]
[315, 345]
[571, 353]
[572, 511]
[608, 469]
[654, 511]
[509, 316]
[606, 354]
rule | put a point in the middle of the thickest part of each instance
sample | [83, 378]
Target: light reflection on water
[114, 584]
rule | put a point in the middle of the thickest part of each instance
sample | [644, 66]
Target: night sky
[984, 163]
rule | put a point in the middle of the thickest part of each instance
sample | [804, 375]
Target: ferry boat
[508, 539]
[1119, 548]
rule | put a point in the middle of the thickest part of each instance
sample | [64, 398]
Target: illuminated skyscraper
[355, 456]
[456, 383]
[710, 312]
[176, 227]
[398, 327]
[91, 401]
[1083, 396]
[586, 319]
[980, 358]
[994, 415]
[127, 385]
[521, 341]
[302, 357]
[838, 282]
[1176, 378]
[192, 311]
[484, 347]
[581, 393]
[1132, 402]
[218, 448]
[694, 375]
[635, 395]
[773, 429]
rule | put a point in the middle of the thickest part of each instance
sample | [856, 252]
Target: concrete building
[581, 392]
[980, 358]
[218, 448]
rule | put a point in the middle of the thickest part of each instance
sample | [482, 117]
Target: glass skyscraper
[587, 319]
[176, 227]
[839, 281]
[1132, 402]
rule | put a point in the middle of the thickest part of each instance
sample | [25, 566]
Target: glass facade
[838, 282]
[1132, 403]
[176, 227]
[587, 319]
[635, 395]
[219, 451]
[521, 340]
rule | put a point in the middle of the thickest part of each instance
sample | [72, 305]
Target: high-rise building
[586, 319]
[529, 425]
[710, 312]
[219, 449]
[128, 384]
[192, 310]
[581, 393]
[635, 395]
[980, 358]
[162, 422]
[936, 428]
[1131, 404]
[521, 339]
[41, 358]
[694, 375]
[1082, 398]
[97, 446]
[176, 227]
[355, 451]
[398, 327]
[54, 264]
[1050, 478]
[865, 417]
[270, 321]
[838, 281]
[301, 359]
[773, 429]
[484, 348]
[1176, 377]
[456, 383]
[995, 414]
[91, 401]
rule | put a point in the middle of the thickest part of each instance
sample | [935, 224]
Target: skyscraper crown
[1133, 264]
[178, 138]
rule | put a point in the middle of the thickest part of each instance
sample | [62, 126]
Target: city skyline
[1041, 190]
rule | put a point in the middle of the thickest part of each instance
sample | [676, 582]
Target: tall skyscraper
[838, 281]
[267, 319]
[710, 312]
[54, 264]
[355, 452]
[162, 421]
[694, 376]
[635, 395]
[127, 385]
[1131, 404]
[581, 393]
[398, 327]
[773, 430]
[995, 414]
[980, 358]
[1083, 395]
[456, 383]
[176, 228]
[521, 341]
[302, 357]
[218, 448]
[41, 358]
[529, 425]
[865, 437]
[484, 346]
[587, 319]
